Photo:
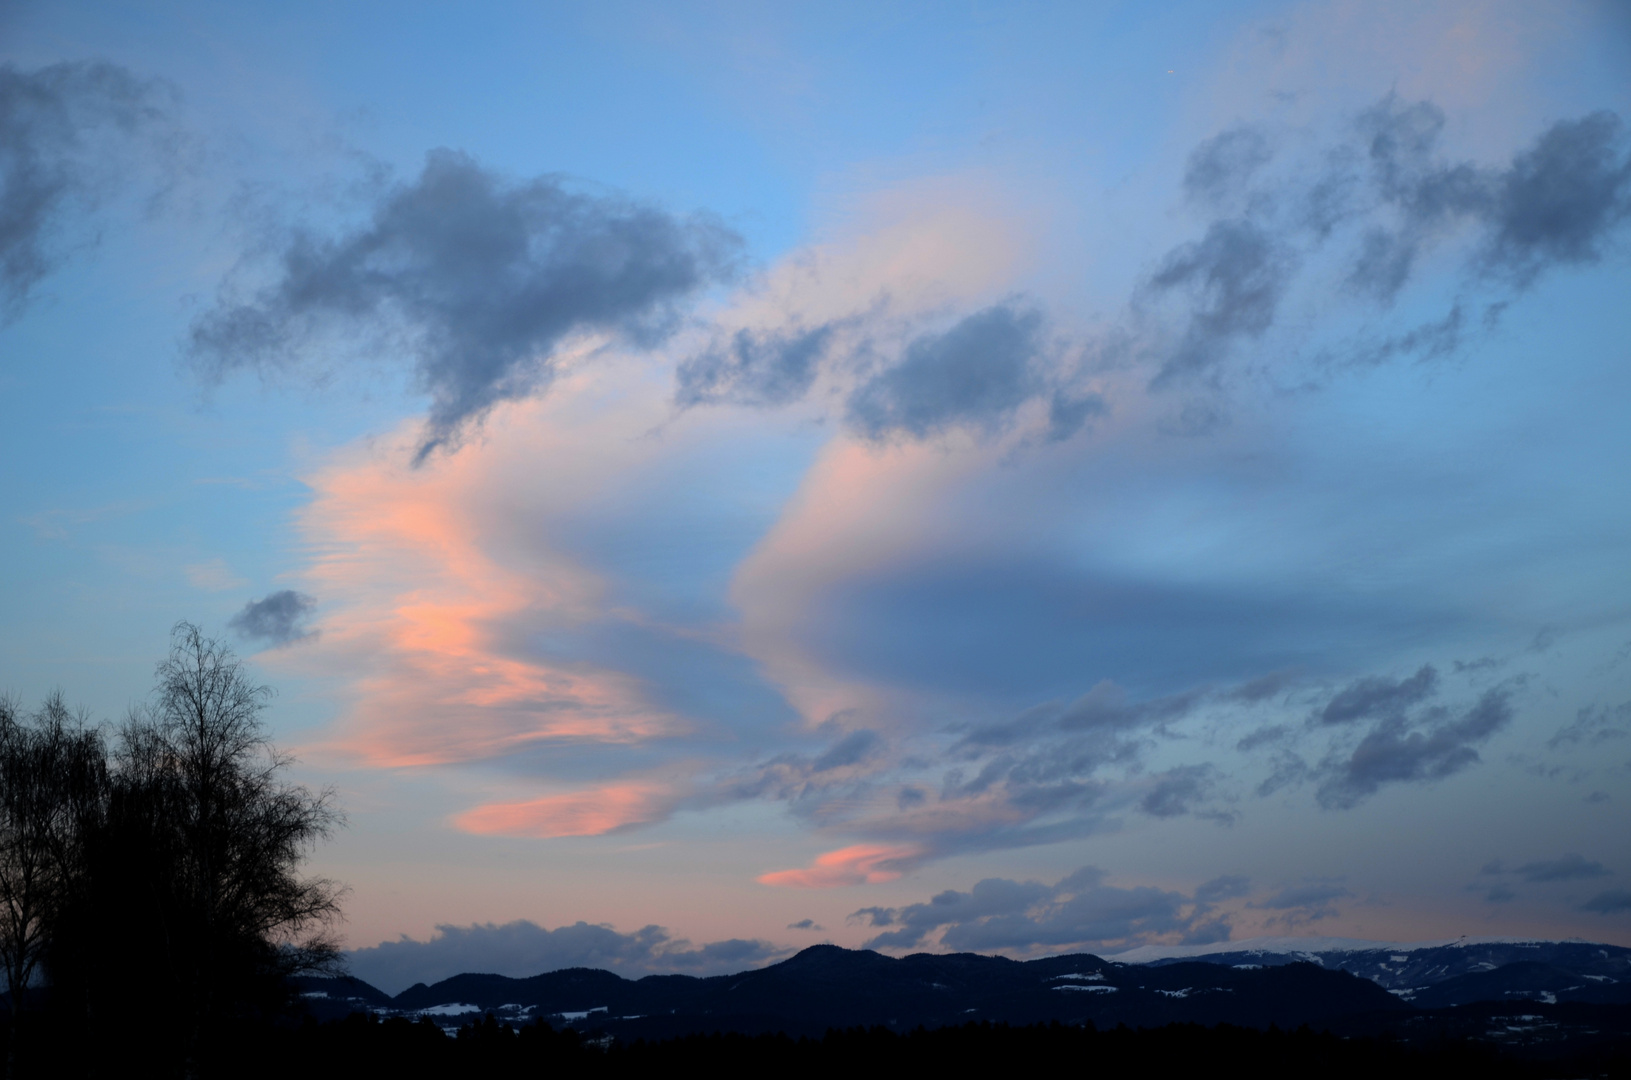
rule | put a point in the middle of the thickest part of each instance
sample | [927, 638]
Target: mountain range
[1514, 992]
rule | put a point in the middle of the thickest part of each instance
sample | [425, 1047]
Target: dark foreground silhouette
[365, 1046]
[1454, 1044]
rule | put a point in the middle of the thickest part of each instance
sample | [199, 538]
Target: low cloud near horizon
[523, 948]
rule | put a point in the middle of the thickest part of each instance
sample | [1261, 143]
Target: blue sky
[1131, 474]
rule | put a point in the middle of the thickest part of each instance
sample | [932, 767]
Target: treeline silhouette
[364, 1045]
[151, 905]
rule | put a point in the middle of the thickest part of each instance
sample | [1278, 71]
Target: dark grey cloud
[797, 778]
[1398, 751]
[1544, 639]
[1377, 696]
[1561, 199]
[1384, 193]
[1209, 932]
[1268, 735]
[1047, 777]
[1401, 143]
[1107, 709]
[1106, 706]
[1612, 902]
[973, 375]
[1235, 277]
[1555, 204]
[1307, 895]
[852, 749]
[1289, 768]
[1570, 867]
[1498, 894]
[1427, 341]
[1400, 139]
[1070, 410]
[805, 924]
[1594, 725]
[522, 948]
[1044, 791]
[1221, 168]
[1226, 887]
[1307, 902]
[1384, 264]
[1374, 199]
[1023, 915]
[67, 136]
[754, 368]
[1403, 736]
[275, 619]
[477, 279]
[1065, 769]
[1263, 687]
[1183, 790]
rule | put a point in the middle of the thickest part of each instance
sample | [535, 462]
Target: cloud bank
[1078, 912]
[520, 949]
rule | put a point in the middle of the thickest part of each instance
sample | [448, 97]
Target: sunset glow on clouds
[415, 602]
[859, 864]
[582, 813]
[1173, 454]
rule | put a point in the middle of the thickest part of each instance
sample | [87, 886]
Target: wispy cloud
[1570, 867]
[1338, 218]
[859, 864]
[70, 134]
[59, 523]
[580, 813]
[213, 576]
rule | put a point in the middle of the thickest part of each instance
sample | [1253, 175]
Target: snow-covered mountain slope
[1558, 970]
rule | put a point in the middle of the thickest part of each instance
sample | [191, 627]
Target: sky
[708, 479]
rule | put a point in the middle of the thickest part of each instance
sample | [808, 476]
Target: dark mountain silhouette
[1412, 967]
[1544, 997]
[826, 986]
[1525, 980]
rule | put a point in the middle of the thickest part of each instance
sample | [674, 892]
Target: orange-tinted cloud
[858, 864]
[428, 602]
[577, 813]
[435, 583]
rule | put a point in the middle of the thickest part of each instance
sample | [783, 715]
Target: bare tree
[197, 766]
[53, 780]
[194, 909]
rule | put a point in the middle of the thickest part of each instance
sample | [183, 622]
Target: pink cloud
[578, 813]
[859, 864]
[434, 582]
[858, 509]
[427, 605]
